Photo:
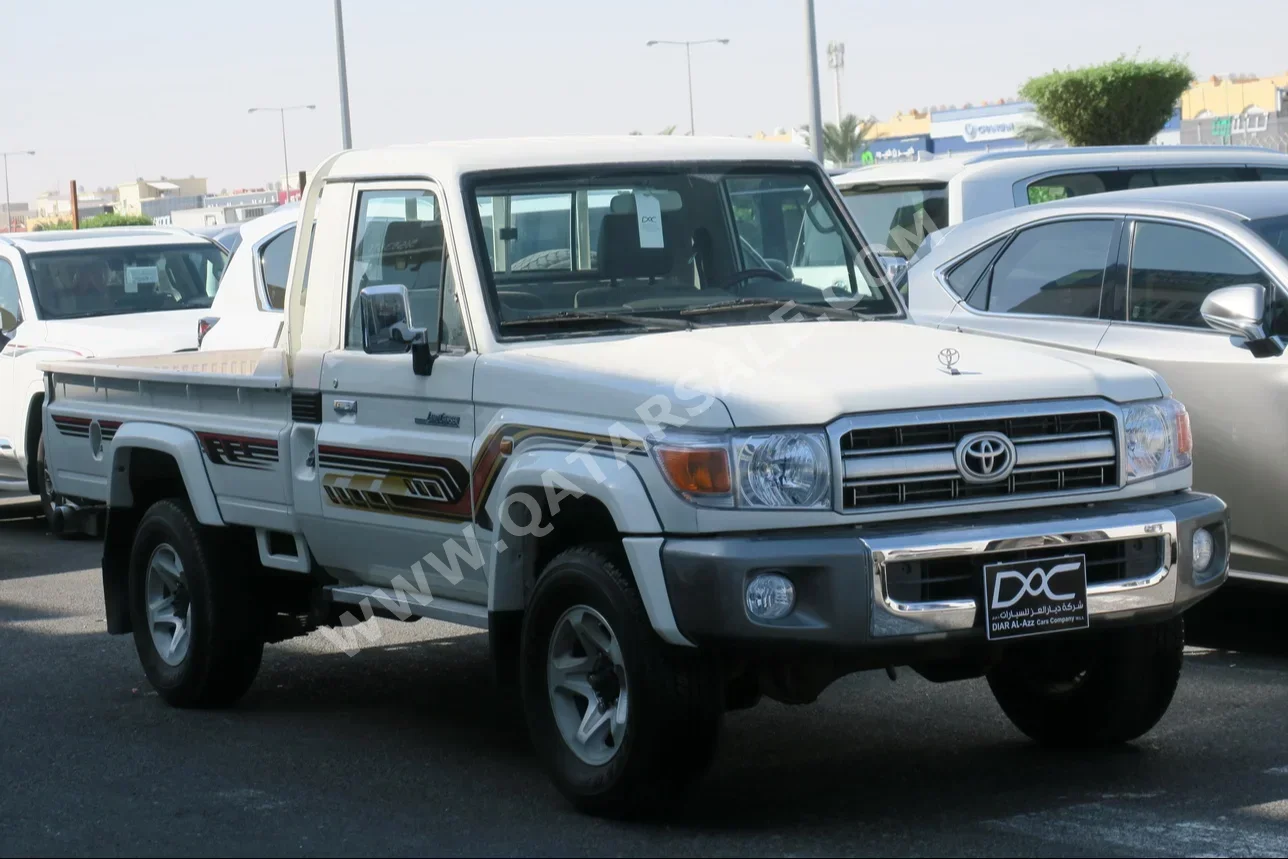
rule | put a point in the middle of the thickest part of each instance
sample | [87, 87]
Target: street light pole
[8, 208]
[815, 109]
[346, 136]
[286, 161]
[688, 64]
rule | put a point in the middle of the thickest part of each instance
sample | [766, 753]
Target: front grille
[914, 465]
[962, 577]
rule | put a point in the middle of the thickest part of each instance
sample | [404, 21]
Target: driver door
[394, 448]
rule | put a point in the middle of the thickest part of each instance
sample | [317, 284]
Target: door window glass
[967, 273]
[1173, 269]
[399, 240]
[275, 265]
[1052, 270]
[10, 310]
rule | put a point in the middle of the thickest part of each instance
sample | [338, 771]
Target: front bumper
[847, 595]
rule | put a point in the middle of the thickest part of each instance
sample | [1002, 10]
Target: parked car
[99, 292]
[660, 504]
[247, 310]
[227, 236]
[897, 205]
[1128, 275]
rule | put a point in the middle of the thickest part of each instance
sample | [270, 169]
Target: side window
[1069, 185]
[1051, 270]
[10, 308]
[1173, 268]
[1279, 174]
[963, 276]
[275, 265]
[398, 240]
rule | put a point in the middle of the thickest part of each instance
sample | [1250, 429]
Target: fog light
[1204, 550]
[770, 596]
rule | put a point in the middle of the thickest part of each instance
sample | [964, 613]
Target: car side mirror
[387, 329]
[8, 322]
[1240, 311]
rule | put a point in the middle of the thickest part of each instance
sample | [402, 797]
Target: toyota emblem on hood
[985, 457]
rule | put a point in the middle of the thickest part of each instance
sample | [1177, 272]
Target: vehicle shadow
[1241, 617]
[27, 548]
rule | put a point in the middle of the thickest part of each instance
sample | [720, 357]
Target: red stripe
[379, 454]
[67, 419]
[241, 439]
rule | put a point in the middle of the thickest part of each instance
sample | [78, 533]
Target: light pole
[8, 212]
[346, 136]
[286, 161]
[688, 63]
[815, 109]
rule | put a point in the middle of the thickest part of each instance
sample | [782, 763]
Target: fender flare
[620, 490]
[182, 446]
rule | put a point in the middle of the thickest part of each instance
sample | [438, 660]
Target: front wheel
[45, 482]
[193, 614]
[622, 721]
[1108, 690]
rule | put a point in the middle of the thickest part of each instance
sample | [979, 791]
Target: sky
[107, 92]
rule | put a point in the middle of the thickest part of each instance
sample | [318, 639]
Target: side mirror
[8, 322]
[386, 327]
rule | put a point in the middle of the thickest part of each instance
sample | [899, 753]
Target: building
[227, 209]
[132, 194]
[52, 206]
[1237, 110]
[17, 220]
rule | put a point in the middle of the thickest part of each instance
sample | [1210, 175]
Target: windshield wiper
[789, 303]
[577, 317]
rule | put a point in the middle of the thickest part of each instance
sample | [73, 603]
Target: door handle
[345, 407]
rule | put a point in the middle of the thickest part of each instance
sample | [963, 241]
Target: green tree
[1124, 101]
[112, 219]
[1039, 132]
[842, 141]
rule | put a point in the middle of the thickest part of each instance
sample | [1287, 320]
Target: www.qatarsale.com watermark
[662, 413]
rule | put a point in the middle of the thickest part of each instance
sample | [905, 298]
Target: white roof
[448, 160]
[163, 186]
[265, 225]
[56, 241]
[1019, 163]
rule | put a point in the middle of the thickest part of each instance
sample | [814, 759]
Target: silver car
[1190, 281]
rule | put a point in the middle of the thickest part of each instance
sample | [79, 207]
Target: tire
[43, 483]
[1099, 692]
[673, 720]
[558, 259]
[221, 656]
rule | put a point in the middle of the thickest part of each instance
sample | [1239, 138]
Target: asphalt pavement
[405, 749]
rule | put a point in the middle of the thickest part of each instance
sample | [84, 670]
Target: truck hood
[802, 374]
[128, 333]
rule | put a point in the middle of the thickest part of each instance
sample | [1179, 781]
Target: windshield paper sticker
[648, 211]
[137, 274]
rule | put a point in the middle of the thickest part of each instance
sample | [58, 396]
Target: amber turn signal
[697, 470]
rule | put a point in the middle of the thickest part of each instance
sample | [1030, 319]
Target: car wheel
[622, 721]
[1103, 691]
[193, 616]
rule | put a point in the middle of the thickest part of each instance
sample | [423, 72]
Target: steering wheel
[746, 275]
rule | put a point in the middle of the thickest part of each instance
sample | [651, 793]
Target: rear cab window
[1085, 182]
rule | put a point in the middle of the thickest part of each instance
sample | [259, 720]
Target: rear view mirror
[386, 326]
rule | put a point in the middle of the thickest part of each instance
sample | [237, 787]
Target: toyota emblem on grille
[985, 457]
[949, 358]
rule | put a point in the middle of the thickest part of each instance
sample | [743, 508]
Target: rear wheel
[45, 482]
[1112, 689]
[194, 617]
[622, 721]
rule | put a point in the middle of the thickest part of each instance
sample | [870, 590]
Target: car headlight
[783, 470]
[787, 470]
[1156, 438]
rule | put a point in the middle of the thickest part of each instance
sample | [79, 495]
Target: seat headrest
[619, 252]
[410, 244]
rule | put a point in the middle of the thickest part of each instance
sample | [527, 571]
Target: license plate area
[1035, 596]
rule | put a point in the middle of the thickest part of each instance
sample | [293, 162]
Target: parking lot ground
[404, 748]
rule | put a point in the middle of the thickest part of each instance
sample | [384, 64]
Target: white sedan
[247, 310]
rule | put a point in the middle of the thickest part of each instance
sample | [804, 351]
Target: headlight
[791, 470]
[1156, 438]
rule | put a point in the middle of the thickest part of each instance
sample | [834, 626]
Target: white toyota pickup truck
[689, 453]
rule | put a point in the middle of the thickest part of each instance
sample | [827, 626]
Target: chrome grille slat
[889, 467]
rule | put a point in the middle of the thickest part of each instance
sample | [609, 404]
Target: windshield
[897, 218]
[1274, 231]
[111, 281]
[712, 244]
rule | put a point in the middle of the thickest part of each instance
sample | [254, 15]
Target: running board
[396, 603]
